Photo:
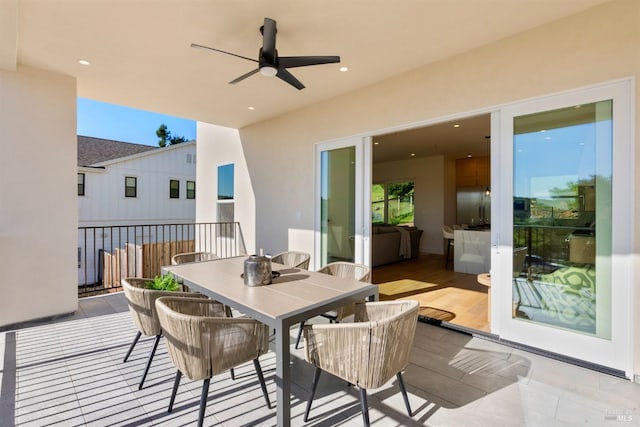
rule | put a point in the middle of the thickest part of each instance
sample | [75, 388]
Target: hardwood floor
[444, 295]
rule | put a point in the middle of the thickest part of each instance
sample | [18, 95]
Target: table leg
[283, 375]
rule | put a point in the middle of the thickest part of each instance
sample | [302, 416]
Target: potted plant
[165, 282]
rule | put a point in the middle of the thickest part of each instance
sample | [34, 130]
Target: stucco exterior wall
[217, 146]
[38, 205]
[596, 46]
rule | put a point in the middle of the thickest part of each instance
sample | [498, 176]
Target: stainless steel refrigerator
[474, 206]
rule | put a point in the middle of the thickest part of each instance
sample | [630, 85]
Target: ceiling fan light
[268, 71]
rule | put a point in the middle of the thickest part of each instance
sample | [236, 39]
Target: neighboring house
[124, 184]
[128, 184]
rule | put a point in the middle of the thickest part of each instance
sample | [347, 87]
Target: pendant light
[487, 191]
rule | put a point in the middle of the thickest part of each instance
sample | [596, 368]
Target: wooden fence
[140, 260]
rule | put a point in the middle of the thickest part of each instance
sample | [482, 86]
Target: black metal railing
[108, 253]
[549, 247]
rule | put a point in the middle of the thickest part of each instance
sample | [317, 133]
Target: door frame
[362, 244]
[616, 353]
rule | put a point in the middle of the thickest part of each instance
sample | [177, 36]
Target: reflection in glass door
[337, 204]
[562, 218]
[562, 237]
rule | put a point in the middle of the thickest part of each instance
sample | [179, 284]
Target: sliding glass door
[342, 205]
[566, 221]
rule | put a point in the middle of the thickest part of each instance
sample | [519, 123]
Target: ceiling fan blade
[289, 78]
[244, 76]
[199, 46]
[303, 61]
[269, 40]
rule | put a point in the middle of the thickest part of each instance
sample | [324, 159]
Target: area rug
[402, 288]
[436, 313]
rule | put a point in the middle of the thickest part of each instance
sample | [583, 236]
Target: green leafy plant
[166, 282]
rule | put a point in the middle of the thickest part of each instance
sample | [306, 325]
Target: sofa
[386, 244]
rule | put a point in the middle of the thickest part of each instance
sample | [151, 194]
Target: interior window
[393, 203]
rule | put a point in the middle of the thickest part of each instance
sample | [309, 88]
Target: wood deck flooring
[444, 295]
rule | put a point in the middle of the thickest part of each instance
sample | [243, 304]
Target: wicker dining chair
[292, 259]
[192, 257]
[141, 301]
[202, 342]
[366, 353]
[187, 257]
[346, 270]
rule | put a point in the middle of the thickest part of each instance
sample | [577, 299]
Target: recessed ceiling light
[456, 125]
[344, 69]
[413, 154]
[376, 143]
[83, 62]
[469, 155]
[251, 108]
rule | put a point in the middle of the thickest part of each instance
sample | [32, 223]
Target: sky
[108, 121]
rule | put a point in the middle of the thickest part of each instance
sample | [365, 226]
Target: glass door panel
[337, 200]
[561, 222]
[343, 201]
[562, 218]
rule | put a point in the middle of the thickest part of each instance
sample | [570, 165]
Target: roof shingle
[95, 150]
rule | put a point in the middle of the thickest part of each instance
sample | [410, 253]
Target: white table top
[295, 295]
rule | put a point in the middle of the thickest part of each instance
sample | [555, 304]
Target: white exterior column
[38, 197]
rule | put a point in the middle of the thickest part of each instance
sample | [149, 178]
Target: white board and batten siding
[104, 202]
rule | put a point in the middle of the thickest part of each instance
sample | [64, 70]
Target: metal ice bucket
[257, 271]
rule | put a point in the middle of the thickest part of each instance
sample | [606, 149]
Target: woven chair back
[203, 342]
[370, 351]
[192, 257]
[347, 270]
[293, 259]
[142, 300]
[519, 257]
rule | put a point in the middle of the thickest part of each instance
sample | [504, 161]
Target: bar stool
[447, 234]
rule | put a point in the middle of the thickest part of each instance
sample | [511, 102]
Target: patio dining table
[294, 296]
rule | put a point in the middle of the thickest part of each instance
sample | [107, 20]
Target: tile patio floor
[69, 372]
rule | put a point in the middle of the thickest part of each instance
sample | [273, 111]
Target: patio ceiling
[140, 55]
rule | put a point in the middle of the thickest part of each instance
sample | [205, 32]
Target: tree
[165, 136]
[177, 140]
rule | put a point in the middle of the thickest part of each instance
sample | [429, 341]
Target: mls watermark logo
[624, 416]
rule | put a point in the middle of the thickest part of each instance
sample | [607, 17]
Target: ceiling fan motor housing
[268, 65]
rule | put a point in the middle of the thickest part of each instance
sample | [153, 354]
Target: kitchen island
[472, 251]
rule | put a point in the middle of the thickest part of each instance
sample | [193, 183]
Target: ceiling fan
[269, 63]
